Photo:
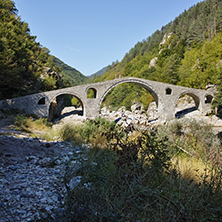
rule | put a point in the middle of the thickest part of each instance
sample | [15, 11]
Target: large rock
[136, 106]
[152, 111]
[104, 111]
[165, 38]
[153, 62]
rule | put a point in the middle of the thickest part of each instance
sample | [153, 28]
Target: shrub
[29, 123]
[92, 131]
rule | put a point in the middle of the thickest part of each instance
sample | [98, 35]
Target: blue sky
[90, 34]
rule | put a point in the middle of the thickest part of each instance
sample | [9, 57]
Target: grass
[29, 123]
[37, 127]
[146, 178]
[196, 138]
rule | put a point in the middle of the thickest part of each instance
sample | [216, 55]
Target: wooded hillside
[186, 51]
[71, 76]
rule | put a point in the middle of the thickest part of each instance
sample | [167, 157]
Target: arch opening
[168, 91]
[65, 106]
[41, 101]
[129, 98]
[185, 104]
[91, 93]
[208, 99]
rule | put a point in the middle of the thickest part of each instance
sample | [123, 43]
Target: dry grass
[189, 167]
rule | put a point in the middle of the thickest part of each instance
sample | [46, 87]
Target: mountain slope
[98, 73]
[26, 67]
[70, 74]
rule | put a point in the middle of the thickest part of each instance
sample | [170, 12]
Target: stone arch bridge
[165, 96]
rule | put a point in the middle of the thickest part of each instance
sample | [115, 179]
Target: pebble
[28, 188]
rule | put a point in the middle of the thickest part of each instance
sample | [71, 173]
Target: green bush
[91, 131]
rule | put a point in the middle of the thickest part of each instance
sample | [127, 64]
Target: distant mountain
[70, 74]
[99, 73]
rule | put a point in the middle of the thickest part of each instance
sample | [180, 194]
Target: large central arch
[138, 82]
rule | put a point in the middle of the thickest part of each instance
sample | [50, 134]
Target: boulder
[152, 111]
[165, 38]
[136, 106]
[153, 62]
[105, 111]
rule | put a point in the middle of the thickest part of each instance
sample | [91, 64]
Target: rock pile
[141, 119]
[32, 183]
[137, 117]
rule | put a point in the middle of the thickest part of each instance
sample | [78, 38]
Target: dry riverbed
[32, 172]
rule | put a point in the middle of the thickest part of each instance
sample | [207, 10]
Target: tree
[15, 46]
[170, 70]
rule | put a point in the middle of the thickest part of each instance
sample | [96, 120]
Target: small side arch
[208, 99]
[186, 109]
[54, 98]
[194, 97]
[91, 93]
[41, 101]
[168, 91]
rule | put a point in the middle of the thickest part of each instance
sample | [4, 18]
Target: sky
[91, 34]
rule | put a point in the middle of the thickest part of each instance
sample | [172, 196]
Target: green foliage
[16, 48]
[201, 66]
[70, 75]
[75, 102]
[91, 93]
[91, 131]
